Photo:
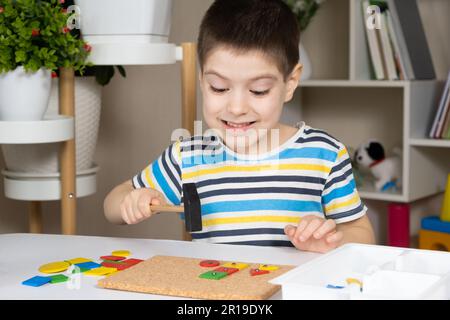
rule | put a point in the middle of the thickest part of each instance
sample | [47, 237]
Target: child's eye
[218, 90]
[260, 93]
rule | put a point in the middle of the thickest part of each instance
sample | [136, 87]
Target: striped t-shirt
[249, 199]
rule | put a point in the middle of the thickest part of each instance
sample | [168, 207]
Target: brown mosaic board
[179, 276]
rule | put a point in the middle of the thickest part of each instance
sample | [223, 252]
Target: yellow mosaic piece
[121, 253]
[268, 267]
[78, 260]
[237, 265]
[54, 267]
[100, 271]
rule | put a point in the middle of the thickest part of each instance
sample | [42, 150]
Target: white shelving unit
[435, 143]
[341, 95]
[67, 186]
[49, 130]
[31, 186]
[416, 106]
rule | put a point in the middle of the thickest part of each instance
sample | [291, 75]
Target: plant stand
[62, 129]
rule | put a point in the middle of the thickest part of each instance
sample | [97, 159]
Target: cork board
[179, 276]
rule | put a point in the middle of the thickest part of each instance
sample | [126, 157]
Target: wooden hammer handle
[167, 208]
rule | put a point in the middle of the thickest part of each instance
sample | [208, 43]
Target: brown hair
[243, 25]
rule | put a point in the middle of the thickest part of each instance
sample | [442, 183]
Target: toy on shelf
[435, 232]
[357, 174]
[387, 171]
[398, 225]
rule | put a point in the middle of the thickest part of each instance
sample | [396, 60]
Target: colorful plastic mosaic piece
[227, 270]
[330, 286]
[258, 272]
[88, 265]
[58, 278]
[101, 271]
[78, 260]
[121, 253]
[54, 267]
[238, 265]
[213, 275]
[132, 262]
[209, 263]
[36, 281]
[268, 267]
[112, 258]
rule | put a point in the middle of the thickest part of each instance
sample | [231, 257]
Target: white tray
[385, 273]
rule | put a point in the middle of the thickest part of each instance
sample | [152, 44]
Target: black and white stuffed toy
[387, 171]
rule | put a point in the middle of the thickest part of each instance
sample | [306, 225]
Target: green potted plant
[34, 42]
[304, 10]
[88, 103]
[43, 158]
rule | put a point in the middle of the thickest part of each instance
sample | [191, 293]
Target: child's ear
[292, 81]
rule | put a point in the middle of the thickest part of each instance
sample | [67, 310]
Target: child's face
[244, 93]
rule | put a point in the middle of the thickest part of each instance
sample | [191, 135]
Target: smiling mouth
[235, 125]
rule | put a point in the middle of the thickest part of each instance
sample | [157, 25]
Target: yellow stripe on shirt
[250, 219]
[312, 167]
[148, 178]
[342, 152]
[353, 200]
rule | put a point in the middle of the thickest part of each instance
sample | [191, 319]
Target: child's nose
[238, 105]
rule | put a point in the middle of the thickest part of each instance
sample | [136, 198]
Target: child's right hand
[135, 207]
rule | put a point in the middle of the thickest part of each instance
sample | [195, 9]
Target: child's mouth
[237, 126]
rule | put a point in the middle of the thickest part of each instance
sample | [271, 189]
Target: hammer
[191, 208]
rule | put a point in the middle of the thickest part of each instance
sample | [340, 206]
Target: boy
[296, 189]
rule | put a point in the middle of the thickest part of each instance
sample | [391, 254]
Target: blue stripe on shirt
[259, 205]
[307, 153]
[167, 190]
[339, 192]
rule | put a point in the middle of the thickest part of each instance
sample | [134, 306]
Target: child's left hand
[314, 234]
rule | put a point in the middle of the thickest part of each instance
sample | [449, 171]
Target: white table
[22, 254]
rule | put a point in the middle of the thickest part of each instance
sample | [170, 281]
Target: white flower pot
[125, 20]
[43, 158]
[24, 96]
[304, 60]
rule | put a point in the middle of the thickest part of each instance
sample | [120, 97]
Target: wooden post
[67, 154]
[35, 218]
[189, 94]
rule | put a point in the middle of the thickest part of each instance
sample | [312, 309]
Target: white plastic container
[24, 95]
[385, 273]
[124, 21]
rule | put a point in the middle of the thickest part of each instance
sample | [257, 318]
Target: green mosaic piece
[213, 275]
[58, 278]
[80, 270]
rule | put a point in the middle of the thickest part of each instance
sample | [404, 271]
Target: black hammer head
[192, 208]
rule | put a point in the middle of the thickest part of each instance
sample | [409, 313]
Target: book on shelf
[387, 52]
[446, 126]
[440, 126]
[412, 40]
[397, 46]
[399, 60]
[373, 44]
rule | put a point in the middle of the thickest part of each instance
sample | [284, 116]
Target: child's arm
[127, 205]
[359, 231]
